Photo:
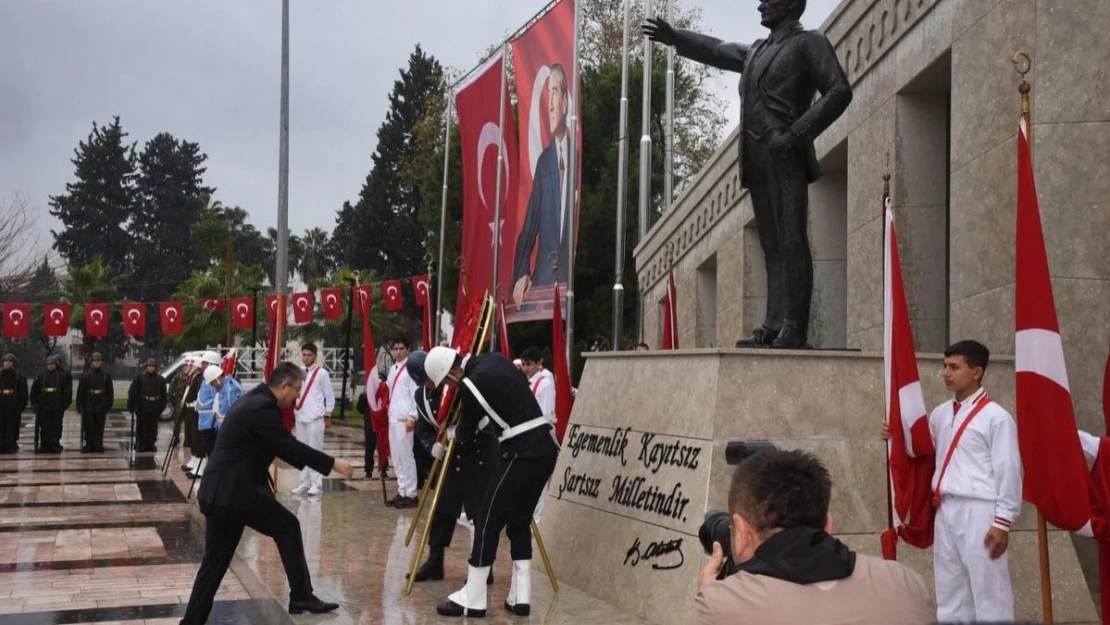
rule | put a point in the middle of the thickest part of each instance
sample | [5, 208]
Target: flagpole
[443, 207]
[497, 186]
[1022, 64]
[622, 191]
[572, 181]
[645, 160]
[668, 125]
[281, 271]
[889, 478]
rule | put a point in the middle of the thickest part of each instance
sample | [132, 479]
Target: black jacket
[52, 390]
[13, 391]
[147, 394]
[507, 393]
[780, 76]
[237, 474]
[94, 392]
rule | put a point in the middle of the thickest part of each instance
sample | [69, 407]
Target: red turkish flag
[363, 295]
[480, 103]
[391, 295]
[134, 319]
[242, 310]
[56, 319]
[302, 307]
[1055, 476]
[172, 316]
[420, 289]
[96, 319]
[213, 305]
[332, 299]
[271, 308]
[544, 206]
[564, 393]
[17, 321]
[911, 454]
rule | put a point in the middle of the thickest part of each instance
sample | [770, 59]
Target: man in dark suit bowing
[779, 120]
[236, 492]
[550, 203]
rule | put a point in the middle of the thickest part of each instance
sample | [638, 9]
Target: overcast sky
[209, 71]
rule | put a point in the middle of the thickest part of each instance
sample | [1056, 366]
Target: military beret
[53, 359]
[150, 362]
[97, 356]
[10, 357]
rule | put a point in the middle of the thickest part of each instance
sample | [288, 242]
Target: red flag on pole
[242, 309]
[56, 319]
[564, 396]
[96, 319]
[332, 299]
[363, 295]
[302, 307]
[1056, 476]
[480, 102]
[134, 319]
[274, 351]
[377, 395]
[420, 289]
[230, 358]
[17, 321]
[670, 315]
[172, 317]
[271, 308]
[911, 454]
[391, 296]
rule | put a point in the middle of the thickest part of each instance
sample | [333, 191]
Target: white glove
[451, 432]
[438, 450]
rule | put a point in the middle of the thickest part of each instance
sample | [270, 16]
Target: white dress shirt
[402, 393]
[319, 398]
[542, 384]
[986, 464]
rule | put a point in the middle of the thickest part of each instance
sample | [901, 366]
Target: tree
[341, 244]
[43, 286]
[93, 283]
[95, 209]
[269, 251]
[17, 244]
[314, 262]
[386, 220]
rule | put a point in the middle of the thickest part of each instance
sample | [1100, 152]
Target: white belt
[507, 431]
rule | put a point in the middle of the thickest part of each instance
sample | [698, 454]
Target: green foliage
[96, 207]
[94, 283]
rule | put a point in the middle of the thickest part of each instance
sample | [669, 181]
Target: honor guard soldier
[495, 395]
[13, 399]
[51, 394]
[146, 399]
[94, 400]
[467, 477]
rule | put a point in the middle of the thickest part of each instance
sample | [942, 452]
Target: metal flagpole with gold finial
[1023, 63]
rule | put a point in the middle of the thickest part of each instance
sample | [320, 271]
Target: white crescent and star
[302, 303]
[331, 299]
[242, 308]
[12, 315]
[391, 291]
[96, 315]
[134, 314]
[58, 316]
[171, 313]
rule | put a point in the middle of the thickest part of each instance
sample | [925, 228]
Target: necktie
[562, 172]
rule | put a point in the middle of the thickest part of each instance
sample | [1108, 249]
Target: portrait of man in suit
[549, 204]
[780, 117]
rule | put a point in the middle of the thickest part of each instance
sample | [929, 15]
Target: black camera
[717, 526]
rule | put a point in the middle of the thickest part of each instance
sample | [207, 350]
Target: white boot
[520, 588]
[194, 462]
[471, 600]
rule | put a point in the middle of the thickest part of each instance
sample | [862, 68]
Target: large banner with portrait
[477, 105]
[542, 59]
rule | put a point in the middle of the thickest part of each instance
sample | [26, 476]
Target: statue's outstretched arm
[698, 47]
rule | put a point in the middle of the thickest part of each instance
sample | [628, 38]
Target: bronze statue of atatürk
[779, 120]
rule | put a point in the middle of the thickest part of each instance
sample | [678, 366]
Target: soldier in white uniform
[976, 492]
[312, 414]
[542, 383]
[402, 422]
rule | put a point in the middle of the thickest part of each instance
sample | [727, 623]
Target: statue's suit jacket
[784, 72]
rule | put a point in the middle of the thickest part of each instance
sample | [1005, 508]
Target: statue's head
[775, 12]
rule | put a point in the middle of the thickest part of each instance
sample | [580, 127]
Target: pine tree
[341, 243]
[171, 199]
[95, 208]
[386, 224]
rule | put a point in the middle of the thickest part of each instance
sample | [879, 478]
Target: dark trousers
[192, 436]
[423, 462]
[371, 444]
[50, 429]
[780, 200]
[223, 529]
[462, 490]
[209, 438]
[94, 430]
[9, 430]
[513, 491]
[146, 430]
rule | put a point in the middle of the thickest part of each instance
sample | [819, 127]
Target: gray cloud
[209, 71]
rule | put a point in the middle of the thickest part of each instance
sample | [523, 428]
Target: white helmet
[212, 373]
[438, 363]
[211, 358]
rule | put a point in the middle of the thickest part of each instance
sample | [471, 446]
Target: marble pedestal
[644, 458]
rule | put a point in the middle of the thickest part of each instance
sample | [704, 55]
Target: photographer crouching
[788, 568]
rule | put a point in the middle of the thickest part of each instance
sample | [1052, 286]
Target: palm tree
[270, 255]
[314, 258]
[90, 284]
